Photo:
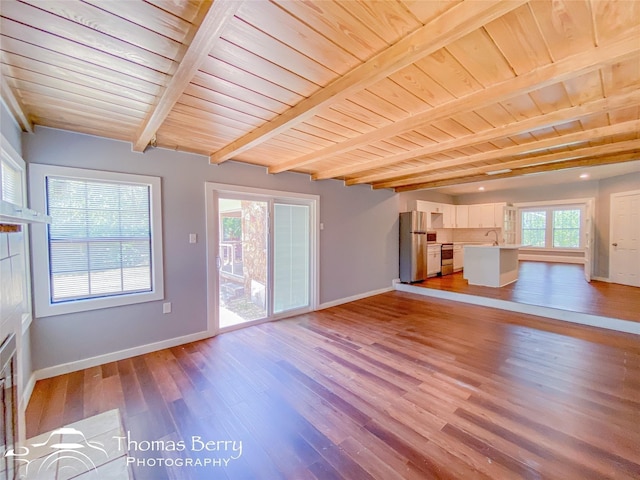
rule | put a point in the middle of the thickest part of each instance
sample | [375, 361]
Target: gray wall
[358, 246]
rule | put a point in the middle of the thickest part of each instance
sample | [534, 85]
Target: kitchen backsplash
[475, 235]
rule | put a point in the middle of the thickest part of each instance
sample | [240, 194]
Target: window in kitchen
[552, 226]
[103, 246]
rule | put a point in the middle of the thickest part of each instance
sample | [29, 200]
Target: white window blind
[99, 240]
[11, 183]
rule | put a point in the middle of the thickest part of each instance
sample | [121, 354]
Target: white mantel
[491, 265]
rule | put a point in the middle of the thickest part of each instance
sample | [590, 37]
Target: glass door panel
[242, 260]
[291, 276]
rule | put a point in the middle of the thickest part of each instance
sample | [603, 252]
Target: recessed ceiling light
[584, 175]
[481, 189]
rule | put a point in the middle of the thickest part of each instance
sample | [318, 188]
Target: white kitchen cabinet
[458, 257]
[482, 216]
[449, 216]
[434, 260]
[462, 216]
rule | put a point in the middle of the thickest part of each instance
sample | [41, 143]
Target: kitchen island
[491, 265]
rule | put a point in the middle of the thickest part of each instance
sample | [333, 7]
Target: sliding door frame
[213, 191]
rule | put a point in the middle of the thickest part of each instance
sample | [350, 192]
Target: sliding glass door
[262, 255]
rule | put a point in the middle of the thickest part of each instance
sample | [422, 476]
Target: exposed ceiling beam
[607, 149]
[493, 155]
[15, 106]
[541, 77]
[458, 21]
[218, 15]
[550, 167]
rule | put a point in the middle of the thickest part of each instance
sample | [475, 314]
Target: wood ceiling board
[624, 114]
[78, 97]
[621, 75]
[449, 73]
[581, 63]
[333, 20]
[41, 60]
[80, 52]
[155, 18]
[387, 108]
[237, 92]
[193, 116]
[120, 132]
[402, 143]
[416, 138]
[595, 121]
[246, 79]
[521, 107]
[333, 127]
[361, 113]
[584, 88]
[472, 121]
[495, 114]
[344, 120]
[67, 113]
[512, 129]
[319, 132]
[103, 22]
[427, 11]
[451, 128]
[83, 35]
[278, 23]
[259, 43]
[186, 9]
[388, 18]
[481, 58]
[422, 87]
[454, 24]
[519, 39]
[305, 140]
[610, 18]
[91, 87]
[244, 60]
[204, 38]
[225, 101]
[219, 110]
[566, 25]
[551, 98]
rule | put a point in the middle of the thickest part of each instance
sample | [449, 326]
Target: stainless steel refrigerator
[413, 246]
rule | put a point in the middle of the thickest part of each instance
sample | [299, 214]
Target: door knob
[614, 244]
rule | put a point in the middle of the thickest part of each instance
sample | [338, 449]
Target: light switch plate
[193, 237]
[166, 307]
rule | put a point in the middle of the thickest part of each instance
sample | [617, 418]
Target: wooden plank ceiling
[402, 94]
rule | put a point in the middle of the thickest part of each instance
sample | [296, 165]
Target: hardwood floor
[555, 285]
[393, 386]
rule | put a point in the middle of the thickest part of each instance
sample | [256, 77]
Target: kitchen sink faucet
[495, 242]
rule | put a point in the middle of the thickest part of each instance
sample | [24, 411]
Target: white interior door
[624, 248]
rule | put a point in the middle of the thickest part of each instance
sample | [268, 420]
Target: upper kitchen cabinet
[462, 216]
[482, 216]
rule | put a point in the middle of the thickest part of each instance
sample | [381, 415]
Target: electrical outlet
[193, 238]
[166, 307]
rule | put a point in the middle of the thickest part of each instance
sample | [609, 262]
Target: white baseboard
[115, 356]
[360, 296]
[550, 258]
[547, 312]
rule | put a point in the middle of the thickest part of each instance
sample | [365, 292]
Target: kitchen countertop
[501, 246]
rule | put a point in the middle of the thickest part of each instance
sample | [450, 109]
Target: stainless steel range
[446, 259]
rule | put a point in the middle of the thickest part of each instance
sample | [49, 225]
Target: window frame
[550, 208]
[44, 307]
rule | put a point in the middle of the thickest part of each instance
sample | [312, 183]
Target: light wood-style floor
[396, 386]
[555, 285]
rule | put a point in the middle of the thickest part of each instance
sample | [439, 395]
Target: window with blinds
[99, 238]
[103, 247]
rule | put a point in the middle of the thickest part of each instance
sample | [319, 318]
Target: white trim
[547, 312]
[40, 249]
[353, 298]
[27, 390]
[116, 356]
[551, 258]
[211, 195]
[601, 279]
[547, 203]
